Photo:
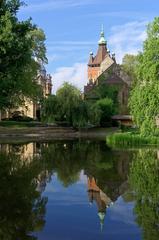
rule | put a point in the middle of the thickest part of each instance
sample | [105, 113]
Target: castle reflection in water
[102, 188]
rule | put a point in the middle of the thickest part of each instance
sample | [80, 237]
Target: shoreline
[41, 134]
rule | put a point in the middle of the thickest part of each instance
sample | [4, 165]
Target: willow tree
[69, 98]
[144, 99]
[21, 42]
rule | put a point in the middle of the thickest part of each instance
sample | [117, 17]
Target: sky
[72, 29]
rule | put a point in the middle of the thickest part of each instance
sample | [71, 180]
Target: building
[103, 69]
[30, 108]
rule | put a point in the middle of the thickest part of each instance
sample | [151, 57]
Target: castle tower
[95, 61]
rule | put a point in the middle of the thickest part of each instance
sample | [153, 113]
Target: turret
[90, 58]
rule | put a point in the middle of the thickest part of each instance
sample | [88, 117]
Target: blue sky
[72, 29]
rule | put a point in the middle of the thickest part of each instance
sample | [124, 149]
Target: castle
[32, 108]
[103, 69]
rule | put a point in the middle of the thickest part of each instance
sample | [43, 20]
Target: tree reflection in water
[24, 174]
[22, 208]
[106, 170]
[144, 179]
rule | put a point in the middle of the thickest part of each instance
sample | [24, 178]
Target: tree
[94, 114]
[21, 42]
[67, 106]
[103, 90]
[144, 99]
[81, 114]
[50, 108]
[68, 98]
[101, 111]
[129, 65]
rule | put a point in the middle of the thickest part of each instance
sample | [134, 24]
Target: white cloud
[127, 38]
[76, 75]
[56, 4]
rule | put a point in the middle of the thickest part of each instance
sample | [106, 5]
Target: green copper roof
[102, 38]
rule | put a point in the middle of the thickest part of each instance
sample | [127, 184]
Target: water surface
[68, 190]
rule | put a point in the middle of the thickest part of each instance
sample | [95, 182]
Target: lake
[78, 190]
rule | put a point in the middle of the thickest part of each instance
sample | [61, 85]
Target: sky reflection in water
[78, 190]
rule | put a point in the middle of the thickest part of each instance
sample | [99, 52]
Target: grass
[130, 139]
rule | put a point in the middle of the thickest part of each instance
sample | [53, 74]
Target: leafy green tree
[102, 111]
[103, 90]
[68, 98]
[95, 114]
[144, 99]
[50, 109]
[81, 114]
[67, 106]
[21, 42]
[129, 66]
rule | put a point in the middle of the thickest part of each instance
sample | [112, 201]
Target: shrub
[130, 139]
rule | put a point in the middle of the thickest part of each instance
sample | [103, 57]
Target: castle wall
[93, 73]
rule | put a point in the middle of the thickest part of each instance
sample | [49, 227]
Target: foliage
[130, 139]
[50, 109]
[18, 67]
[81, 114]
[66, 106]
[106, 107]
[144, 102]
[95, 114]
[103, 90]
[68, 98]
[144, 179]
[144, 99]
[129, 66]
[101, 111]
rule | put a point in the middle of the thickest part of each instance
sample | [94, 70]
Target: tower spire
[102, 40]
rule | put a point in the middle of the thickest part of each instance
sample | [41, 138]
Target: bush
[102, 111]
[130, 139]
